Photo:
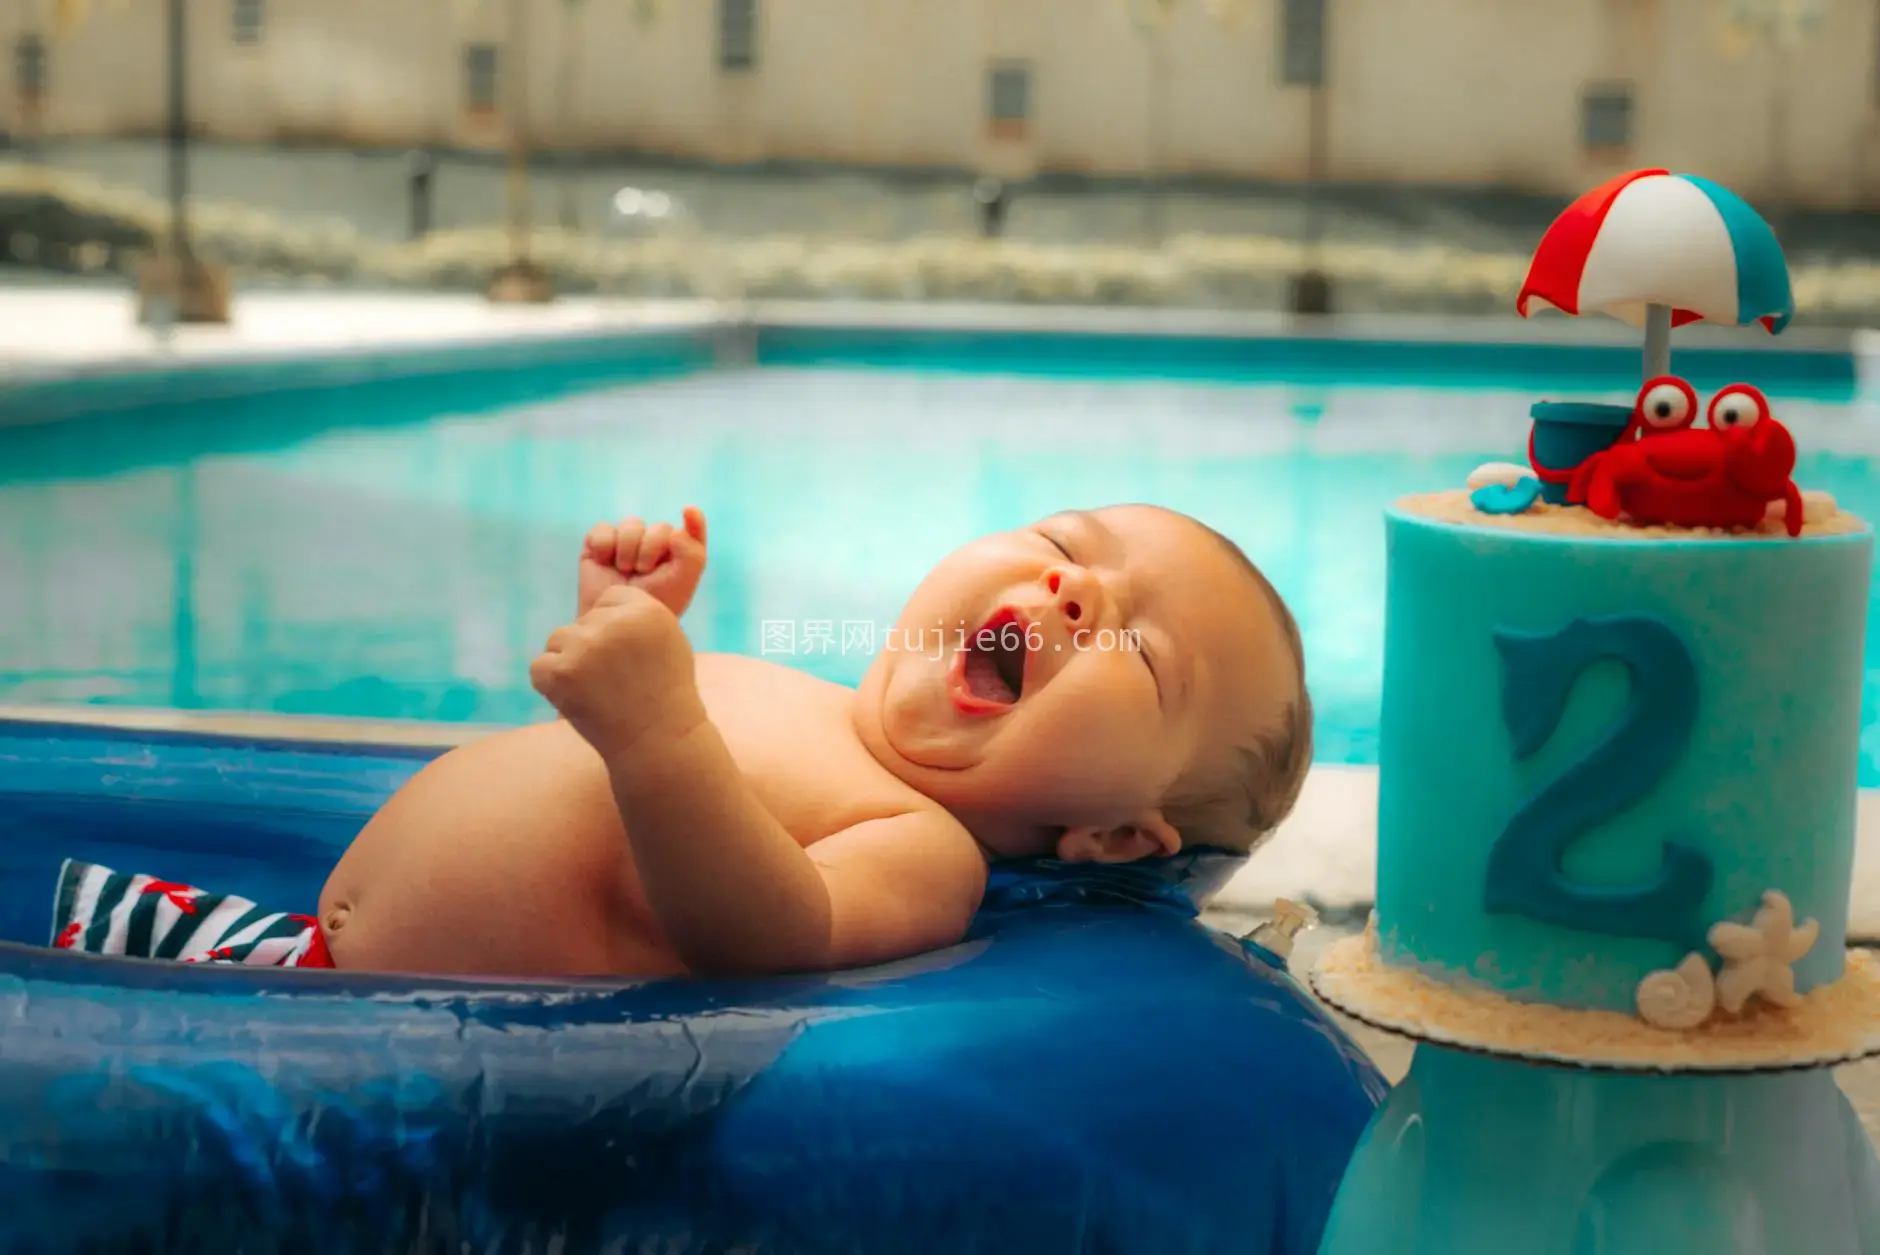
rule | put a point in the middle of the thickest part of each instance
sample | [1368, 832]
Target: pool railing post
[518, 278]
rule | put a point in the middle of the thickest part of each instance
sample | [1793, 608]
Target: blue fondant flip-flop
[1507, 498]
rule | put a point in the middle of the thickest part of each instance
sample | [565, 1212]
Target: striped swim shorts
[101, 911]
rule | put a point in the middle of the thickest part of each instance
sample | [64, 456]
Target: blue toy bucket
[1566, 433]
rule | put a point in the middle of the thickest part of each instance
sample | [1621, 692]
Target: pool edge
[338, 731]
[336, 347]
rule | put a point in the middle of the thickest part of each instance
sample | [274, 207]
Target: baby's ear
[1150, 836]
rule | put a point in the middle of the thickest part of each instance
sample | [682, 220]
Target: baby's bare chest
[793, 737]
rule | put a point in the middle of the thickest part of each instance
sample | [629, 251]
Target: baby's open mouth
[992, 661]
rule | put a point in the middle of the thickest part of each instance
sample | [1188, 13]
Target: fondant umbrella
[1658, 250]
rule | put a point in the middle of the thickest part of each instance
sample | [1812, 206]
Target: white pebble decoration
[1505, 473]
[1681, 998]
[1289, 920]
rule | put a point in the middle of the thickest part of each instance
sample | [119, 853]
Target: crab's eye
[1738, 406]
[1665, 405]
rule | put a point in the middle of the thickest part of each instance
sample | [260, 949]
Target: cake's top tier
[1599, 741]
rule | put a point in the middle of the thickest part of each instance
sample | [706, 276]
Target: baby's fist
[666, 561]
[621, 671]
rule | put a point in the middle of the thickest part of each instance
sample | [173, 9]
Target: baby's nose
[1075, 593]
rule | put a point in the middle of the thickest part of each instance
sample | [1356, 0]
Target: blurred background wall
[1777, 99]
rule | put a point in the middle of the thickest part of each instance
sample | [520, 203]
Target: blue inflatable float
[1092, 1070]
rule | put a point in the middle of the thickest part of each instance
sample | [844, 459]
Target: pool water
[413, 565]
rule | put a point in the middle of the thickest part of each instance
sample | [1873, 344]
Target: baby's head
[1104, 686]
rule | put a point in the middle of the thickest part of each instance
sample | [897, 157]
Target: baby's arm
[733, 891]
[735, 894]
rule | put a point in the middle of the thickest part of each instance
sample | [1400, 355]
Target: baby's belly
[505, 861]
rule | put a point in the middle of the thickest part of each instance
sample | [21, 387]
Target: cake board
[1834, 1025]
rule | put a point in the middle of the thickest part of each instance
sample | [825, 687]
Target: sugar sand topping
[1820, 515]
[1829, 1024]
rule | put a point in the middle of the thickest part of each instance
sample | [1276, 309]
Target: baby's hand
[621, 671]
[665, 561]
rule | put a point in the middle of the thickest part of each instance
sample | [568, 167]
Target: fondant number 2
[1525, 876]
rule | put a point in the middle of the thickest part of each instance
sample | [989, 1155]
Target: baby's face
[1070, 673]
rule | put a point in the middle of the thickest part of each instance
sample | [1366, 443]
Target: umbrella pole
[1657, 341]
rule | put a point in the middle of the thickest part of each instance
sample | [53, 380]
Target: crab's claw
[1793, 510]
[1593, 487]
[1761, 459]
[1602, 497]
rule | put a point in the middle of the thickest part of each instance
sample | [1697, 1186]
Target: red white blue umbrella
[1657, 250]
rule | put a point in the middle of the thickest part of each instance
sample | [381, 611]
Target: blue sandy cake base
[1831, 1024]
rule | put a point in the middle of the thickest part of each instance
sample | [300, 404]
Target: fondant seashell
[1680, 998]
[1289, 920]
[1503, 473]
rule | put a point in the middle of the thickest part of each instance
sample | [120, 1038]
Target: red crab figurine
[1722, 475]
[1665, 404]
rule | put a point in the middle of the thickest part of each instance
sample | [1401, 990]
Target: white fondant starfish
[1756, 956]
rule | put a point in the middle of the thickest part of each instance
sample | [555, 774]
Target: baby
[1104, 686]
[723, 815]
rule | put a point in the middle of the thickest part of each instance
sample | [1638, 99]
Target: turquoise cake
[1618, 806]
[1618, 775]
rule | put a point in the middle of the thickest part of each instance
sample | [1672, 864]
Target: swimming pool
[410, 560]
